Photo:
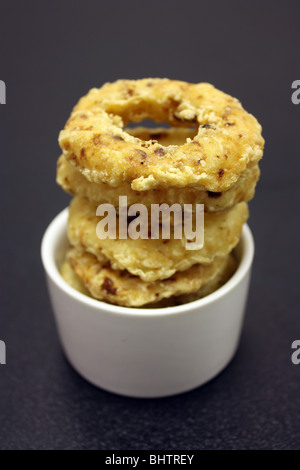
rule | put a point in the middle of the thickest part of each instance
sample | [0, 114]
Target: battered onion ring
[228, 137]
[154, 259]
[125, 291]
[69, 275]
[73, 181]
[121, 288]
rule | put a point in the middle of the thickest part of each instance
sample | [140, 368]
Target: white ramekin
[146, 352]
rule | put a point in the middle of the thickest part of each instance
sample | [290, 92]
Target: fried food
[228, 138]
[122, 288]
[208, 156]
[75, 183]
[71, 278]
[154, 259]
[220, 278]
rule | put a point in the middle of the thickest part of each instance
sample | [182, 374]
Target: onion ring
[228, 138]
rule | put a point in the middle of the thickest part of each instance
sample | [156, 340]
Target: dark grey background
[51, 53]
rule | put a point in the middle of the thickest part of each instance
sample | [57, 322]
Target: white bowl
[146, 352]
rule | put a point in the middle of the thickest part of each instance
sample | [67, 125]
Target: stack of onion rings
[208, 156]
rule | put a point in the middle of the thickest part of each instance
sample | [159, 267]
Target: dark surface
[53, 52]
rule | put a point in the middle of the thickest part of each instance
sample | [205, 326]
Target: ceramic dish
[151, 352]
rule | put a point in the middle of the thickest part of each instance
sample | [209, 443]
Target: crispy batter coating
[69, 275]
[222, 275]
[228, 138]
[154, 259]
[75, 183]
[220, 278]
[122, 288]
